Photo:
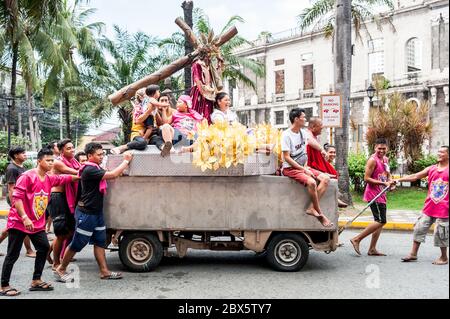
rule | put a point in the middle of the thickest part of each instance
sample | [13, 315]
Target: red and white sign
[331, 110]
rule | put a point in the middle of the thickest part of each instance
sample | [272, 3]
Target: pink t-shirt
[381, 173]
[436, 204]
[186, 122]
[35, 196]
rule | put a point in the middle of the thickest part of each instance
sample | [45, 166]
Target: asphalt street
[238, 275]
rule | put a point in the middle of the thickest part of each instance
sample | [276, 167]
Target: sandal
[112, 276]
[166, 149]
[409, 259]
[5, 292]
[63, 278]
[43, 286]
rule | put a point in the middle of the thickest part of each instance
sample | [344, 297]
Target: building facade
[411, 51]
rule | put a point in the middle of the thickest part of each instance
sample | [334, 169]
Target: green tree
[20, 20]
[320, 16]
[75, 45]
[133, 56]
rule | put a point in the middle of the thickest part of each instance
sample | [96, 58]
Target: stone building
[411, 51]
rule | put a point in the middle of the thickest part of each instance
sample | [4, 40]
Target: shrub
[356, 169]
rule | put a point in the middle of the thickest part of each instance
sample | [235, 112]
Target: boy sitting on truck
[295, 158]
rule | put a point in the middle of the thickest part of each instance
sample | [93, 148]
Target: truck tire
[287, 252]
[140, 252]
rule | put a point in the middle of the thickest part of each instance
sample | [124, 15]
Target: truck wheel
[287, 252]
[140, 252]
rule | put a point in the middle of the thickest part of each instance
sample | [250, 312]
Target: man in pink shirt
[435, 210]
[27, 217]
[377, 176]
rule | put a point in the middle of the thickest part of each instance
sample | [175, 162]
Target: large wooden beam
[129, 91]
[188, 31]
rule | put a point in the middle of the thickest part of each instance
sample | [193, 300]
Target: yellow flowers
[222, 145]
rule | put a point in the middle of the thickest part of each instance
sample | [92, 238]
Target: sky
[156, 18]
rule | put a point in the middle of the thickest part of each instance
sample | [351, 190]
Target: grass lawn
[408, 198]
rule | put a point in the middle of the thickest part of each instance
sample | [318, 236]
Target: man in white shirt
[295, 159]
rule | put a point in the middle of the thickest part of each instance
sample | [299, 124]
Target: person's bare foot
[312, 212]
[440, 262]
[376, 253]
[355, 244]
[325, 221]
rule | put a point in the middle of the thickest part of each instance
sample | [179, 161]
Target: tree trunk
[15, 54]
[67, 114]
[342, 47]
[188, 7]
[126, 118]
[30, 103]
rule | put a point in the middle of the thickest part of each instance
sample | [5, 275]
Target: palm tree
[321, 15]
[342, 44]
[74, 40]
[19, 21]
[232, 71]
[335, 18]
[133, 56]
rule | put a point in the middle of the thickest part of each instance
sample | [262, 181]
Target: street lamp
[9, 103]
[371, 93]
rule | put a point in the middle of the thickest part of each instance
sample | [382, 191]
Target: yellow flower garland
[222, 144]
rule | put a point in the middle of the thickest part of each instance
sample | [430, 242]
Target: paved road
[240, 275]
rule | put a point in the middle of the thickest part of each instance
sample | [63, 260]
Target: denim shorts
[90, 229]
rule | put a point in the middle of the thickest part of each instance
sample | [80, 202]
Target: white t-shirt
[229, 116]
[295, 144]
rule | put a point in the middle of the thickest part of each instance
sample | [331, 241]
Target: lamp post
[371, 93]
[9, 103]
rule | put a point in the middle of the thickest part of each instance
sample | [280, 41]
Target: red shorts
[299, 175]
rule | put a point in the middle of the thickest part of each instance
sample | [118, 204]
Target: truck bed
[208, 203]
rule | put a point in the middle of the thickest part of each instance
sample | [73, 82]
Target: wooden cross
[129, 91]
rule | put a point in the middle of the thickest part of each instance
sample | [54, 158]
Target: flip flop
[43, 286]
[63, 278]
[2, 255]
[112, 276]
[409, 259]
[355, 248]
[166, 149]
[31, 256]
[377, 254]
[5, 293]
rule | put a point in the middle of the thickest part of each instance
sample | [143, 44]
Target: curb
[388, 226]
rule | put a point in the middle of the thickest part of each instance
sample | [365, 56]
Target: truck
[161, 204]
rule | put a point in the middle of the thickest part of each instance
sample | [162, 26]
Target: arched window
[413, 55]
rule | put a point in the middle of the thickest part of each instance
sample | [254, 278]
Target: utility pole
[76, 134]
[60, 119]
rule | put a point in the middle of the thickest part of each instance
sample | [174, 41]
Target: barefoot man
[435, 210]
[293, 145]
[377, 176]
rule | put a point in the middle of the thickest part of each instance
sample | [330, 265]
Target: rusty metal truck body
[148, 215]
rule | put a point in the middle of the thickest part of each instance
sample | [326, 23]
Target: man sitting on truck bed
[295, 158]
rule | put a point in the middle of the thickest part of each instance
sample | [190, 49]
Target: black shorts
[379, 212]
[63, 219]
